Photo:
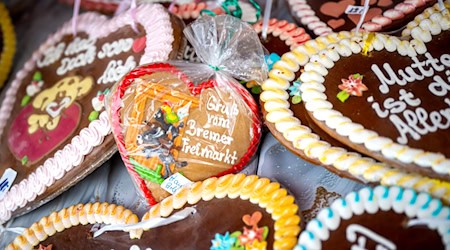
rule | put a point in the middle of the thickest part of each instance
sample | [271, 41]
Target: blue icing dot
[344, 203]
[413, 199]
[400, 194]
[330, 213]
[357, 197]
[438, 209]
[311, 235]
[386, 193]
[371, 195]
[319, 224]
[427, 204]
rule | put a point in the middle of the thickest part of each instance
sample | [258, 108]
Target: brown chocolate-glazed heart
[53, 127]
[397, 106]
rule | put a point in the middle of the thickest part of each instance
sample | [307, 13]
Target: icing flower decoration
[271, 60]
[33, 88]
[98, 103]
[222, 242]
[250, 235]
[295, 92]
[351, 86]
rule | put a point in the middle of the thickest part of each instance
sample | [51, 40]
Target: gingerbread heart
[386, 107]
[169, 125]
[218, 204]
[53, 126]
[391, 221]
[390, 15]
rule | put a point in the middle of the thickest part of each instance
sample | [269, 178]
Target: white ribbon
[266, 19]
[431, 222]
[16, 230]
[363, 16]
[151, 223]
[441, 5]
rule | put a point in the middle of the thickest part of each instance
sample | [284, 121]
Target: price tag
[351, 9]
[175, 182]
[6, 181]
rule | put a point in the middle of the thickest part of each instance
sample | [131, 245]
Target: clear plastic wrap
[193, 119]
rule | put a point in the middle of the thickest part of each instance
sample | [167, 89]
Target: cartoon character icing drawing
[159, 135]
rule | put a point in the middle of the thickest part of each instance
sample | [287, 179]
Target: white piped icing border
[368, 200]
[276, 104]
[313, 94]
[307, 16]
[158, 28]
[288, 32]
[81, 214]
[431, 22]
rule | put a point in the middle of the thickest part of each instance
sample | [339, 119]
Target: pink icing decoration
[158, 47]
[393, 14]
[382, 20]
[406, 8]
[290, 33]
[22, 144]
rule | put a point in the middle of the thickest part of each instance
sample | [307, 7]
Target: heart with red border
[393, 106]
[325, 16]
[53, 119]
[169, 125]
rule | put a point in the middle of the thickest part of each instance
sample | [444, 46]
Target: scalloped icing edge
[368, 200]
[317, 103]
[9, 44]
[261, 191]
[81, 214]
[275, 98]
[92, 135]
[290, 33]
[307, 16]
[430, 22]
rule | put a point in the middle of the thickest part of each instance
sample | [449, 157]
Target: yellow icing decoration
[9, 44]
[53, 101]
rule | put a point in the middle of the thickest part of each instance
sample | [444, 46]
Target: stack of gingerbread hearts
[53, 126]
[178, 122]
[368, 106]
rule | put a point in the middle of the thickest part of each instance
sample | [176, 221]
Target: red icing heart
[139, 44]
[335, 9]
[370, 14]
[39, 144]
[336, 23]
[384, 3]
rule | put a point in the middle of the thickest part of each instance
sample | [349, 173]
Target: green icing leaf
[25, 100]
[357, 75]
[37, 76]
[24, 160]
[265, 232]
[256, 89]
[343, 96]
[235, 234]
[296, 99]
[93, 116]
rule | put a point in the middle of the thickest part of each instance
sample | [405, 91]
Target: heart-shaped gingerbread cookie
[53, 127]
[323, 17]
[393, 106]
[220, 205]
[290, 123]
[170, 125]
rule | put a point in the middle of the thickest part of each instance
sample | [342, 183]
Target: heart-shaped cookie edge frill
[96, 25]
[275, 98]
[116, 105]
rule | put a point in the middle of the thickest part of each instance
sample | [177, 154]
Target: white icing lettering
[439, 87]
[79, 45]
[409, 74]
[214, 104]
[193, 130]
[51, 55]
[116, 69]
[360, 242]
[217, 120]
[208, 152]
[115, 48]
